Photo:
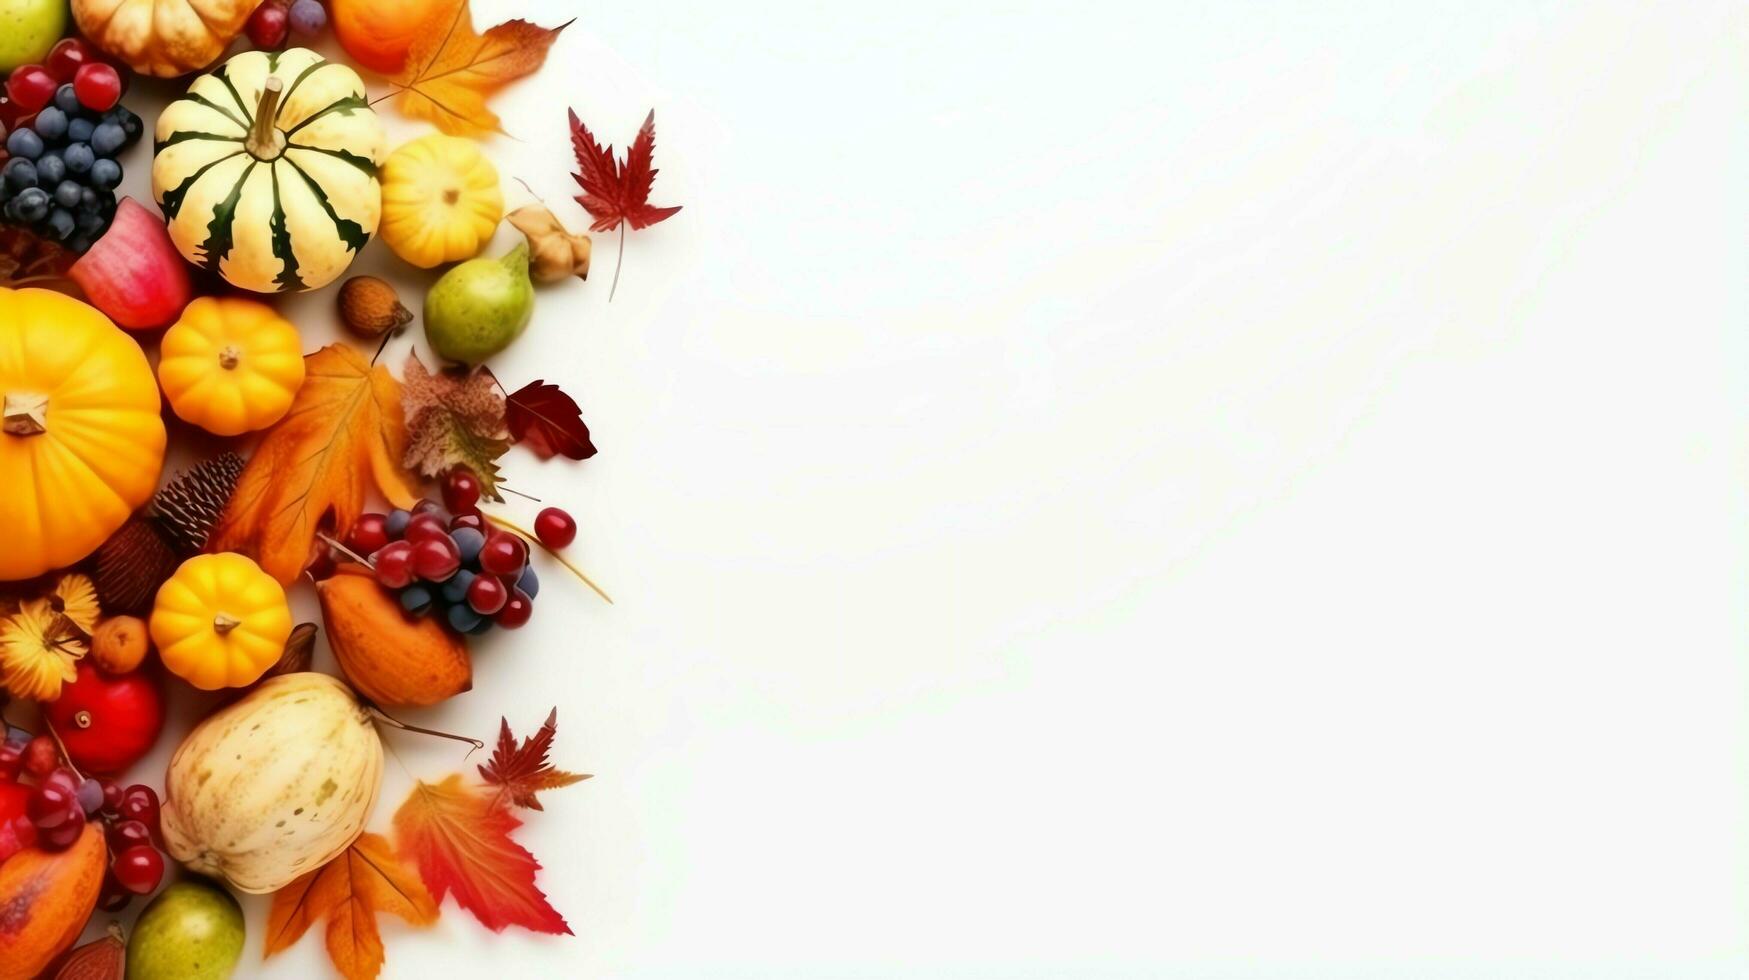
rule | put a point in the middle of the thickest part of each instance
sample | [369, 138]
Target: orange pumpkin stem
[265, 141]
[224, 623]
[230, 357]
[26, 413]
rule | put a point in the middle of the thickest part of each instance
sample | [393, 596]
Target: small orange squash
[231, 365]
[393, 660]
[45, 899]
[81, 440]
[165, 38]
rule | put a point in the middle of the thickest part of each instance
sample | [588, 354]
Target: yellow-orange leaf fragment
[345, 431]
[349, 891]
[451, 70]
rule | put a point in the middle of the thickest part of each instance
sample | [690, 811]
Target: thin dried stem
[510, 526]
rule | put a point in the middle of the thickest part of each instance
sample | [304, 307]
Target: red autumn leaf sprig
[616, 194]
[457, 835]
[547, 421]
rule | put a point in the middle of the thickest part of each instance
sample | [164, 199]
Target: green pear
[479, 307]
[193, 930]
[28, 29]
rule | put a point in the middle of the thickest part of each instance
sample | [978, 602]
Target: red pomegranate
[106, 721]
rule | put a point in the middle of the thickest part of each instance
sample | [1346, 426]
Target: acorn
[370, 307]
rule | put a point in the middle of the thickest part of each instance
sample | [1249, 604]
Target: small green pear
[479, 307]
[193, 930]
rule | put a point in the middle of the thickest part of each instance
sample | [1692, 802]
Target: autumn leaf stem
[394, 722]
[348, 552]
[622, 261]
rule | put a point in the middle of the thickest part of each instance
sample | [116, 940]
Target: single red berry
[461, 491]
[487, 595]
[427, 525]
[98, 86]
[111, 797]
[63, 835]
[394, 564]
[517, 609]
[41, 757]
[268, 26]
[369, 533]
[139, 868]
[113, 897]
[51, 806]
[31, 87]
[124, 834]
[473, 520]
[503, 554]
[436, 559]
[555, 528]
[66, 56]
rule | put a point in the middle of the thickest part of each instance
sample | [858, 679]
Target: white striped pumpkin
[274, 785]
[267, 170]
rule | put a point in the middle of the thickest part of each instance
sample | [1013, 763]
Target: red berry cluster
[53, 812]
[445, 559]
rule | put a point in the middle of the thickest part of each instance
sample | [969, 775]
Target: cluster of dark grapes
[62, 170]
[61, 804]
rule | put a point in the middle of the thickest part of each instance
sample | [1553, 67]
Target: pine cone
[190, 506]
[131, 566]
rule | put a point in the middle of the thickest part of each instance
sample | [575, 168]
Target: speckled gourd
[274, 785]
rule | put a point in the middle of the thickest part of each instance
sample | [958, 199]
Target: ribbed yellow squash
[267, 170]
[231, 365]
[81, 442]
[275, 785]
[220, 621]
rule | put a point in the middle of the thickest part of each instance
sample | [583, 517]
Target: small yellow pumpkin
[441, 200]
[231, 365]
[81, 439]
[220, 621]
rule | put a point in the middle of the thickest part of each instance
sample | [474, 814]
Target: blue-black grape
[24, 143]
[456, 589]
[67, 101]
[484, 626]
[107, 138]
[130, 123]
[50, 168]
[396, 523]
[106, 173]
[79, 158]
[61, 223]
[79, 130]
[79, 243]
[529, 583]
[67, 194]
[88, 198]
[417, 599]
[20, 173]
[89, 221]
[461, 618]
[33, 204]
[50, 124]
[469, 542]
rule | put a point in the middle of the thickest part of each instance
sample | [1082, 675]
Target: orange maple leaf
[458, 837]
[349, 891]
[451, 69]
[345, 430]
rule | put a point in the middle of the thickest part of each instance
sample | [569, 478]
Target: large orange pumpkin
[81, 440]
[165, 38]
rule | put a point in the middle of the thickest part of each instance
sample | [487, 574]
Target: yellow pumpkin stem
[230, 357]
[265, 141]
[224, 623]
[26, 413]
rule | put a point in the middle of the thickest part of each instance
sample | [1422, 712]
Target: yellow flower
[37, 651]
[76, 597]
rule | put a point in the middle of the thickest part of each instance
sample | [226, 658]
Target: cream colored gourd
[275, 785]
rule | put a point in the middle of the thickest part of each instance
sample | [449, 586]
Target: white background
[1197, 490]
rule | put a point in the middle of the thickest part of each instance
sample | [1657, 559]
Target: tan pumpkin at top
[165, 38]
[81, 439]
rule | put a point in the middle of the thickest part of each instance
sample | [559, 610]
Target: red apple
[134, 273]
[106, 721]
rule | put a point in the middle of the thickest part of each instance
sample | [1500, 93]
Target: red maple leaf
[548, 421]
[615, 194]
[521, 771]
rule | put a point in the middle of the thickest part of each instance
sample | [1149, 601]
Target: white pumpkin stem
[265, 143]
[224, 623]
[26, 413]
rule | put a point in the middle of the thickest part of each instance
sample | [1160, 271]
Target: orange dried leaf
[459, 838]
[350, 891]
[345, 431]
[451, 69]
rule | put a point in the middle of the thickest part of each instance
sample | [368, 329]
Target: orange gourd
[231, 365]
[165, 38]
[220, 621]
[81, 440]
[379, 33]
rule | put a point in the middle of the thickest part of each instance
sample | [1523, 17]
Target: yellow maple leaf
[451, 69]
[349, 891]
